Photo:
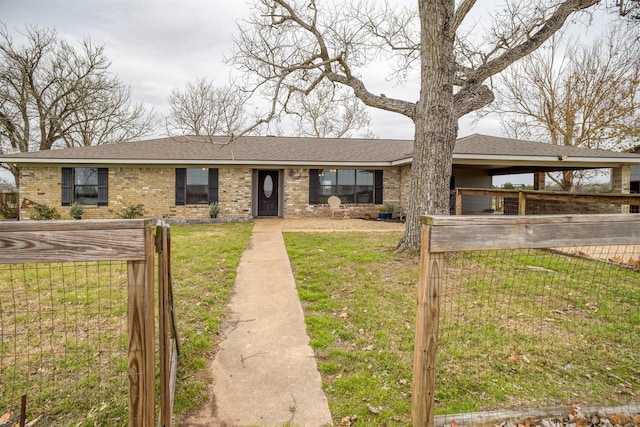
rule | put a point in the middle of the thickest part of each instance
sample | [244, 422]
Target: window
[351, 185]
[87, 186]
[196, 186]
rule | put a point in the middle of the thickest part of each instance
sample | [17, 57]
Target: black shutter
[103, 186]
[213, 185]
[314, 187]
[181, 184]
[378, 184]
[67, 187]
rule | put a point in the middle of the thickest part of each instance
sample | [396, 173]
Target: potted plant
[386, 211]
[76, 210]
[367, 216]
[214, 210]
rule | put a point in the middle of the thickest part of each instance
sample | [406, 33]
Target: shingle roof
[244, 149]
[497, 146]
[296, 150]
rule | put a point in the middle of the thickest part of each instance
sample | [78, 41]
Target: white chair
[336, 206]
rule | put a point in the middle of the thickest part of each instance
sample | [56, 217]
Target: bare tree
[328, 111]
[111, 118]
[571, 94]
[291, 46]
[628, 8]
[54, 94]
[204, 109]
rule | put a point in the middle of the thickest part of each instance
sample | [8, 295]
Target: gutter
[198, 162]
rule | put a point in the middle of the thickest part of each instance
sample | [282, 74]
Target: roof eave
[477, 159]
[166, 162]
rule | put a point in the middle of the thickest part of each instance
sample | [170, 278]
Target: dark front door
[267, 193]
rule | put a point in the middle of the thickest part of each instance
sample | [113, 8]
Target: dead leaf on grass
[348, 420]
[527, 423]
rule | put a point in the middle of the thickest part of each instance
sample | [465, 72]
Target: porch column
[621, 183]
[538, 181]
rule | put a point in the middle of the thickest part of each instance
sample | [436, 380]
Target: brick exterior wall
[621, 177]
[151, 187]
[154, 189]
[296, 194]
[40, 185]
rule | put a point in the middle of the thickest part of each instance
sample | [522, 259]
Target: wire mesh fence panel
[64, 342]
[539, 328]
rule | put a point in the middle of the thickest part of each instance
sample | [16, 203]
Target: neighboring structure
[635, 179]
[635, 174]
[177, 177]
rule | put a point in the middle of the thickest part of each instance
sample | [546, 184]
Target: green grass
[518, 329]
[359, 299]
[204, 261]
[61, 327]
[64, 328]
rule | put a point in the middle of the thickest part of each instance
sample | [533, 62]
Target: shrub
[131, 211]
[387, 208]
[44, 212]
[8, 210]
[214, 209]
[76, 210]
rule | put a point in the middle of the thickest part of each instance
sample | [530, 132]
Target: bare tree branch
[204, 109]
[54, 94]
[571, 94]
[290, 48]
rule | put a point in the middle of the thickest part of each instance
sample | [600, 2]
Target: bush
[76, 210]
[44, 212]
[8, 210]
[130, 212]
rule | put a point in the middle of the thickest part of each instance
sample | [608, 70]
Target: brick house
[255, 176]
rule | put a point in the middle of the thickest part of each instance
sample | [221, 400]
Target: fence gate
[77, 308]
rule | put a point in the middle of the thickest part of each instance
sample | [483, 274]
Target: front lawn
[519, 329]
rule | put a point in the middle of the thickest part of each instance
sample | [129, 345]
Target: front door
[268, 193]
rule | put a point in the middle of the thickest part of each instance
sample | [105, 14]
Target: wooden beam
[522, 203]
[631, 199]
[141, 337]
[426, 334]
[68, 241]
[164, 326]
[452, 233]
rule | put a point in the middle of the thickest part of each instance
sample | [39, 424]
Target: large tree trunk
[435, 121]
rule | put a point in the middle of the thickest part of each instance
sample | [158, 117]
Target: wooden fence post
[522, 203]
[163, 325]
[141, 313]
[426, 341]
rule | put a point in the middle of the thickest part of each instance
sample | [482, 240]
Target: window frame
[181, 187]
[318, 192]
[68, 186]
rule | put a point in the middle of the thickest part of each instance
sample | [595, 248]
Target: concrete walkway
[265, 373]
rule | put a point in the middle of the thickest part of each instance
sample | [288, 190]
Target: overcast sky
[158, 45]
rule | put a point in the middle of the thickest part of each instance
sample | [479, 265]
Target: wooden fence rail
[442, 234]
[132, 241]
[524, 197]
